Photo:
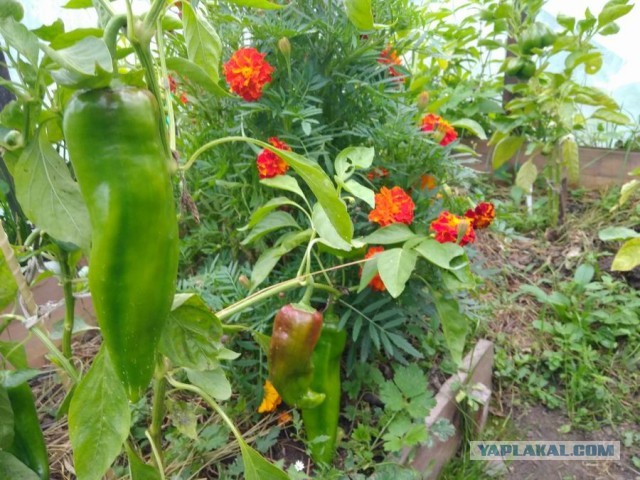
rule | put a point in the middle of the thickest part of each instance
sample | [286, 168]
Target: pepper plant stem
[158, 409]
[69, 303]
[31, 307]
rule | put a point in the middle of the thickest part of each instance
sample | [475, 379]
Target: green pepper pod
[321, 422]
[296, 330]
[28, 442]
[536, 36]
[117, 153]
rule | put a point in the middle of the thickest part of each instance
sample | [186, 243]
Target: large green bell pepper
[116, 150]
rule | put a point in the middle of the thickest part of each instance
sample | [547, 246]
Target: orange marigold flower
[482, 215]
[376, 282]
[270, 164]
[377, 172]
[390, 57]
[428, 181]
[392, 206]
[435, 123]
[247, 72]
[271, 398]
[284, 418]
[449, 227]
[183, 98]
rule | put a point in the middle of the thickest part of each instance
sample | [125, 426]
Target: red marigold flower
[271, 164]
[183, 98]
[376, 282]
[448, 227]
[482, 215]
[390, 57]
[428, 181]
[392, 206]
[247, 72]
[377, 172]
[172, 84]
[435, 123]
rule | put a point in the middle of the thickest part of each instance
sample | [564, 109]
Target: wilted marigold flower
[377, 172]
[269, 163]
[448, 227]
[392, 206]
[247, 72]
[284, 418]
[435, 123]
[376, 282]
[482, 215]
[428, 181]
[390, 57]
[271, 398]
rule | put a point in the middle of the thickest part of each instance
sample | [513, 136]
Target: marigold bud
[284, 45]
[423, 100]
[244, 281]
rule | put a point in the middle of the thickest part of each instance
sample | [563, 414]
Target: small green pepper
[536, 36]
[321, 422]
[117, 153]
[519, 67]
[296, 330]
[28, 442]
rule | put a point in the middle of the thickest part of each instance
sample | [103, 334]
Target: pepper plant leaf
[11, 467]
[256, 467]
[8, 286]
[138, 469]
[99, 419]
[263, 4]
[395, 267]
[454, 324]
[628, 257]
[48, 194]
[203, 43]
[6, 420]
[360, 14]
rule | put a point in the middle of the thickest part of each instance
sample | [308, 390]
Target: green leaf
[617, 233]
[360, 191]
[8, 286]
[48, 194]
[203, 43]
[270, 257]
[610, 13]
[99, 419]
[471, 125]
[527, 175]
[360, 14]
[15, 354]
[284, 182]
[571, 159]
[322, 225]
[256, 467]
[264, 210]
[449, 256]
[16, 35]
[505, 150]
[395, 267]
[87, 58]
[183, 418]
[627, 191]
[369, 270]
[196, 75]
[11, 8]
[611, 116]
[322, 188]
[14, 378]
[78, 4]
[353, 158]
[263, 4]
[394, 233]
[272, 222]
[138, 469]
[584, 274]
[212, 382]
[6, 420]
[14, 469]
[628, 257]
[49, 32]
[191, 338]
[68, 39]
[567, 22]
[454, 325]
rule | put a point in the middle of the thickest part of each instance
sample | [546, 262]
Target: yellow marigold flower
[271, 398]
